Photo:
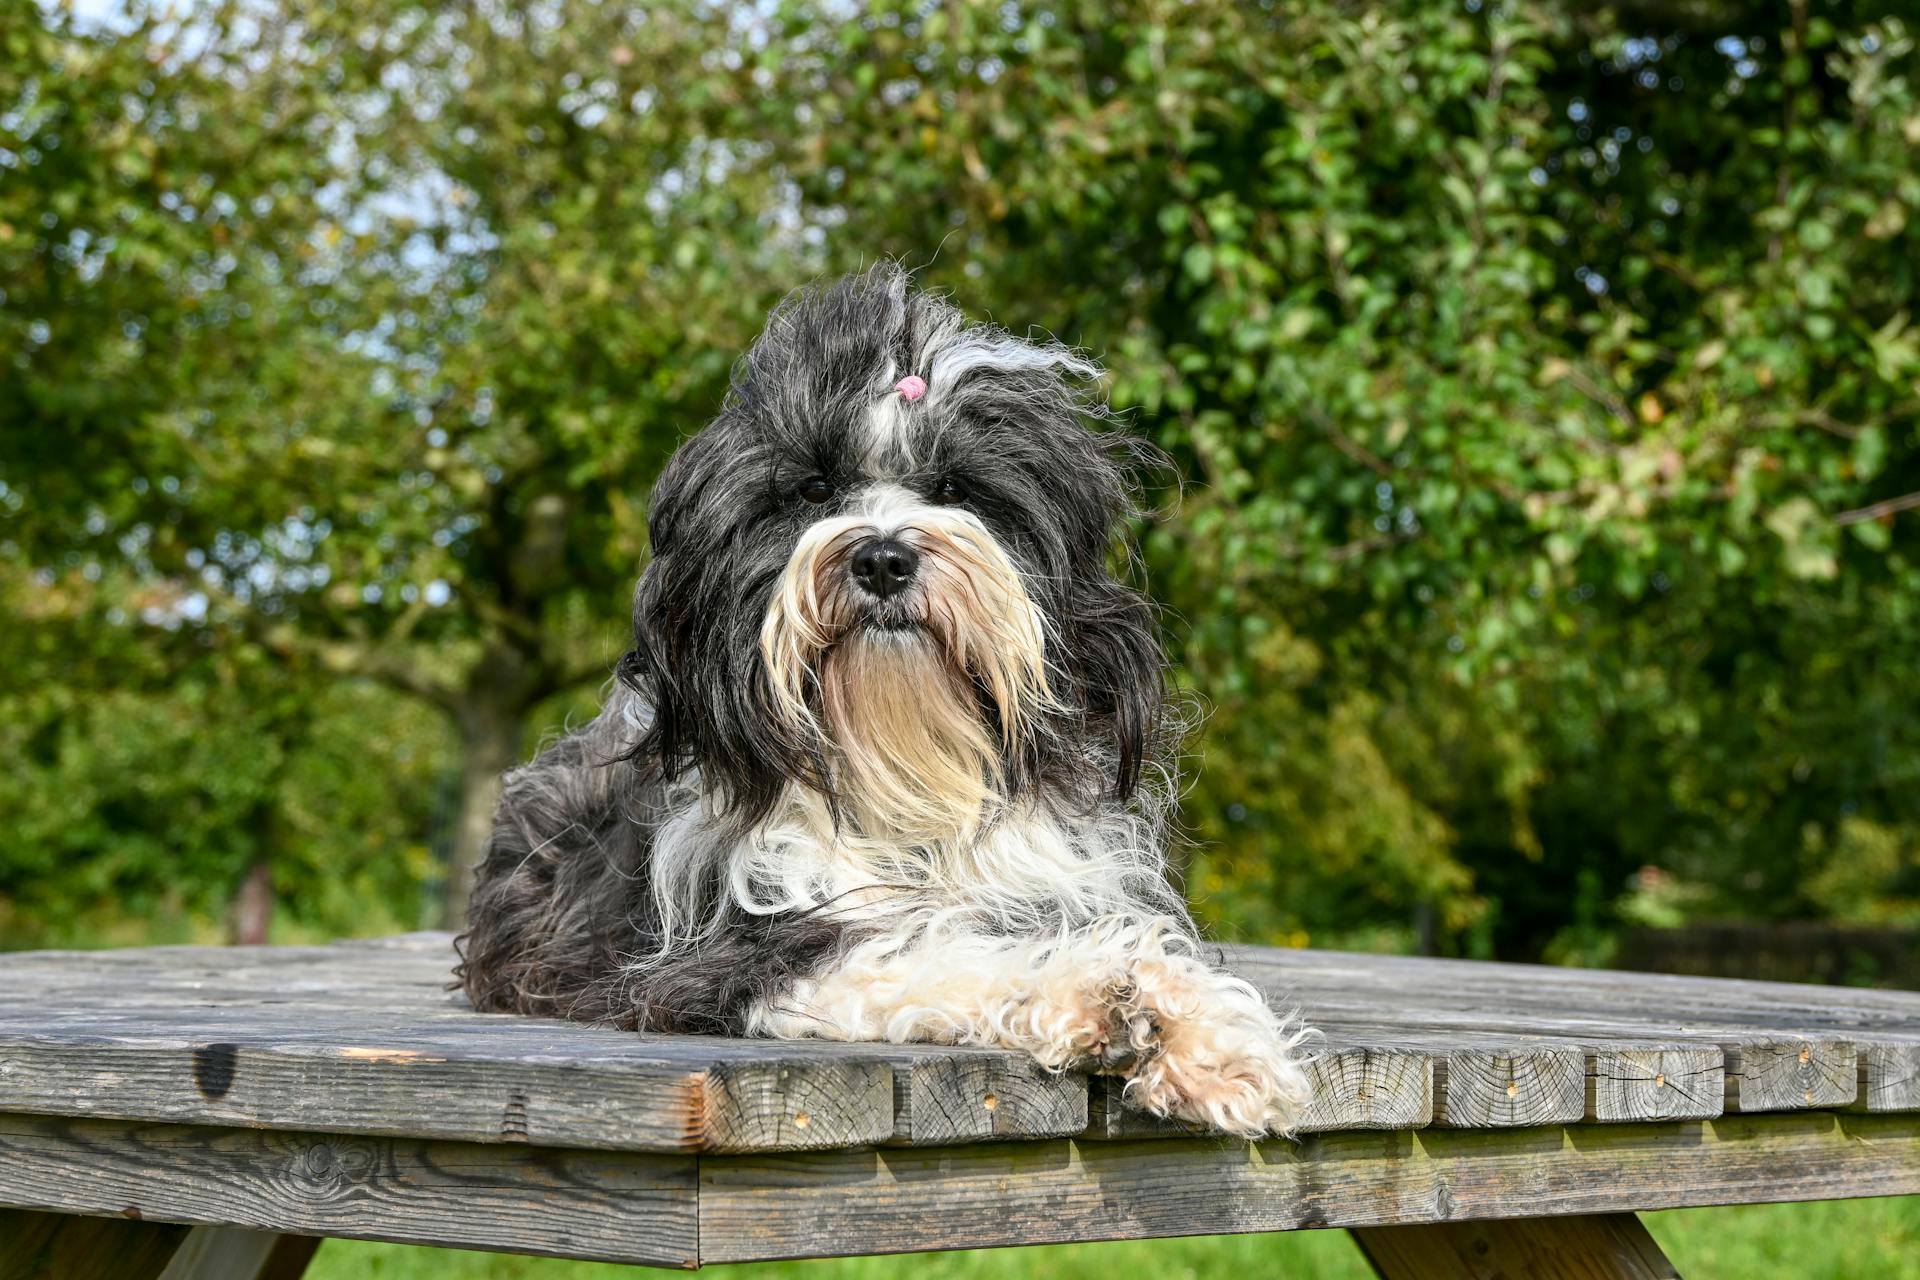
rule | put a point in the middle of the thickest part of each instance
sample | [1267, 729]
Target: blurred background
[1545, 375]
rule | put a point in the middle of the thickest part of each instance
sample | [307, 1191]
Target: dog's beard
[914, 703]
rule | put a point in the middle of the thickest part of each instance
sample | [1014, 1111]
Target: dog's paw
[1240, 1077]
[1131, 1031]
[1116, 1031]
[1099, 1026]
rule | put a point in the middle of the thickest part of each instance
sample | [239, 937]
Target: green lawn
[1836, 1240]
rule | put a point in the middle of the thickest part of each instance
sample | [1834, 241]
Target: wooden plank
[423, 962]
[54, 1246]
[1772, 1058]
[1888, 1075]
[1423, 973]
[793, 1105]
[1792, 1073]
[1354, 1087]
[1389, 982]
[1109, 1118]
[1494, 989]
[1573, 1077]
[608, 1206]
[1632, 1083]
[289, 1259]
[1607, 1246]
[943, 1097]
[1889, 1078]
[1779, 1073]
[514, 1079]
[1779, 1036]
[1368, 1088]
[559, 1070]
[808, 1204]
[1509, 1088]
[1485, 1080]
[495, 1079]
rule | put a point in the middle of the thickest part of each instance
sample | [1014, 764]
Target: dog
[892, 755]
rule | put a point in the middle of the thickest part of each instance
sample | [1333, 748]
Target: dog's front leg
[1121, 996]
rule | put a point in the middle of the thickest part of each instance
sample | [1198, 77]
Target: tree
[1545, 378]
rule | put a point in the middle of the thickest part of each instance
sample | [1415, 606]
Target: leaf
[1808, 538]
[1197, 262]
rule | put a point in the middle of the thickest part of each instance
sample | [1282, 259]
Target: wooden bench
[212, 1112]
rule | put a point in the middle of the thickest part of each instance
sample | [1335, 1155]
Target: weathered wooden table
[1469, 1117]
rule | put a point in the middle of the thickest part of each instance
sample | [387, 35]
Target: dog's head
[885, 573]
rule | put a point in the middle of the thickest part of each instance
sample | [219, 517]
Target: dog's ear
[1120, 669]
[648, 667]
[1113, 641]
[696, 632]
[641, 668]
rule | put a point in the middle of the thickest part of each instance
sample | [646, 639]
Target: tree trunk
[489, 745]
[250, 913]
[253, 905]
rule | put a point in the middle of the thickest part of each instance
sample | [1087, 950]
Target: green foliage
[145, 780]
[1545, 379]
[1538, 374]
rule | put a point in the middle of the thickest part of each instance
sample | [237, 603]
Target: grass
[1831, 1240]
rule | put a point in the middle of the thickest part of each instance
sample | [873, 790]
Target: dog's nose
[884, 566]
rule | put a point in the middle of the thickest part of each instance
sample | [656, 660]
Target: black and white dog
[891, 756]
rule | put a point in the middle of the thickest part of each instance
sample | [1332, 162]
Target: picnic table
[203, 1111]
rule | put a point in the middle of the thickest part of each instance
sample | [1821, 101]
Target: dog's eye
[816, 489]
[950, 493]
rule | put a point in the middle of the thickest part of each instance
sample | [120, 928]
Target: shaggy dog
[891, 756]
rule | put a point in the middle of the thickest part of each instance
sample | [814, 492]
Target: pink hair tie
[911, 387]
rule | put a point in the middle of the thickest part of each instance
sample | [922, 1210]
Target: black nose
[884, 566]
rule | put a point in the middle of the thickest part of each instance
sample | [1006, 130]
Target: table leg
[1608, 1246]
[58, 1246]
[229, 1253]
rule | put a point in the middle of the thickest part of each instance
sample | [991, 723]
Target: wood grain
[1511, 1087]
[809, 1204]
[1481, 1079]
[1494, 987]
[612, 1206]
[350, 1038]
[1889, 1077]
[1630, 1083]
[952, 1097]
[1791, 1073]
[1607, 1246]
[1111, 1118]
[1369, 1088]
[790, 1105]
